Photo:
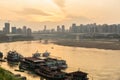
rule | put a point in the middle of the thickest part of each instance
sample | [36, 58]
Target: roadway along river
[99, 63]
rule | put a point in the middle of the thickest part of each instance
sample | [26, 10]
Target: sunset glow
[60, 11]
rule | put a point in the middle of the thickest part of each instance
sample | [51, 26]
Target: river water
[100, 64]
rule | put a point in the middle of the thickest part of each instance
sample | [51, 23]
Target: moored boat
[77, 75]
[14, 56]
[31, 63]
[1, 55]
[61, 64]
[56, 63]
[50, 74]
[50, 68]
[37, 60]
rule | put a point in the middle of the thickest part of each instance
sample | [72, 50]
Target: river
[100, 64]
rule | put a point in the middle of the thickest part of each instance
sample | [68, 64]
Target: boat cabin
[46, 54]
[32, 63]
[78, 75]
[51, 65]
[36, 55]
[61, 64]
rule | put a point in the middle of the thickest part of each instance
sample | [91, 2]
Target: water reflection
[12, 64]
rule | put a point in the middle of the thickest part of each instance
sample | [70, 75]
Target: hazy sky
[36, 13]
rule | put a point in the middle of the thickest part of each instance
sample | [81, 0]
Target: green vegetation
[6, 75]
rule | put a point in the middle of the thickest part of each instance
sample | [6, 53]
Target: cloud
[78, 18]
[60, 3]
[32, 11]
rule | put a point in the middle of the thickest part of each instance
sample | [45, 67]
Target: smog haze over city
[59, 39]
[37, 13]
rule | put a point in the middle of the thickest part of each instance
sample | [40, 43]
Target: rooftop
[32, 59]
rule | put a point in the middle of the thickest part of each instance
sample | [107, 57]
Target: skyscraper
[74, 28]
[63, 28]
[14, 30]
[29, 32]
[24, 30]
[45, 28]
[58, 29]
[6, 29]
[19, 31]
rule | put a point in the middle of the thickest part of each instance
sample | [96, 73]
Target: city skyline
[74, 28]
[36, 14]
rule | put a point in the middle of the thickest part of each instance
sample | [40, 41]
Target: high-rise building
[58, 29]
[24, 31]
[45, 28]
[14, 30]
[6, 29]
[19, 31]
[74, 28]
[63, 28]
[29, 32]
[118, 28]
[52, 30]
[1, 32]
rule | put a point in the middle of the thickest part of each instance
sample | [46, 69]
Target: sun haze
[49, 12]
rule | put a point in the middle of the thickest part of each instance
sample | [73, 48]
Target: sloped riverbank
[110, 45]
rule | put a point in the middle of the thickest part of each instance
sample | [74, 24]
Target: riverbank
[7, 75]
[100, 44]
